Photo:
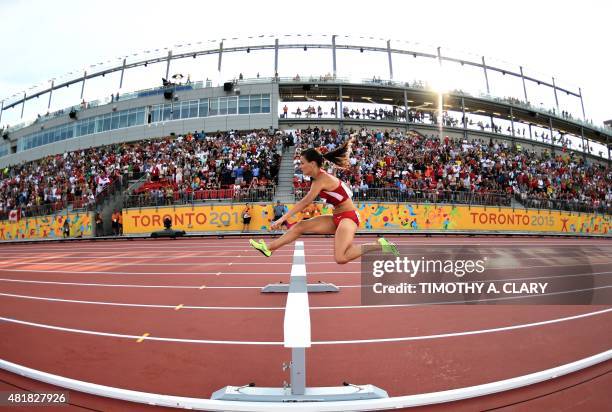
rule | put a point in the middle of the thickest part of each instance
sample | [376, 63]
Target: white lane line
[243, 244]
[68, 264]
[267, 273]
[267, 263]
[123, 285]
[148, 257]
[38, 257]
[118, 335]
[316, 240]
[460, 302]
[335, 342]
[67, 269]
[136, 286]
[74, 272]
[296, 324]
[143, 305]
[34, 248]
[212, 249]
[311, 246]
[466, 333]
[186, 253]
[140, 305]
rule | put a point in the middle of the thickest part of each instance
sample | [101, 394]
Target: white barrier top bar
[297, 312]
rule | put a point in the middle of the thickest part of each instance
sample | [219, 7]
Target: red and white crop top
[336, 196]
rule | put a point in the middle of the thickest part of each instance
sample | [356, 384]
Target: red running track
[217, 283]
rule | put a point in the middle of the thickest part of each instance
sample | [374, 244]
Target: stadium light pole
[220, 58]
[512, 123]
[552, 139]
[441, 90]
[524, 87]
[406, 106]
[442, 83]
[168, 64]
[583, 145]
[83, 85]
[334, 57]
[582, 104]
[23, 105]
[275, 57]
[556, 98]
[340, 110]
[464, 119]
[484, 67]
[50, 94]
[391, 60]
[123, 71]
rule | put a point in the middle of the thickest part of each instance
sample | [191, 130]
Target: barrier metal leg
[298, 371]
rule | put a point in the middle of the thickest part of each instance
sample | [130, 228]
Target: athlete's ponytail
[339, 156]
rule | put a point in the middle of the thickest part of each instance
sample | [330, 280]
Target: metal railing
[177, 198]
[573, 205]
[395, 195]
[38, 210]
[109, 190]
[81, 204]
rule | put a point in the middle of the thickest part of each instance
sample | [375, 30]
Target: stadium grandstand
[466, 162]
[512, 151]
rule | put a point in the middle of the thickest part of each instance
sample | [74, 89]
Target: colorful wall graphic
[378, 216]
[47, 227]
[437, 217]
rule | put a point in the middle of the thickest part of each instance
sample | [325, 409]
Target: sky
[41, 40]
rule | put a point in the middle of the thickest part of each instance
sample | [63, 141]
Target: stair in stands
[115, 201]
[284, 190]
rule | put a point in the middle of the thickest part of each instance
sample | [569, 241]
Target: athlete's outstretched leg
[344, 249]
[323, 225]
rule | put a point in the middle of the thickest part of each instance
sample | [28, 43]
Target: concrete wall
[181, 126]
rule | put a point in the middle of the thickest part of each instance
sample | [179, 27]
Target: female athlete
[345, 220]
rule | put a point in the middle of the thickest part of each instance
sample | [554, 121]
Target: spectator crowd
[199, 167]
[54, 182]
[183, 165]
[231, 164]
[412, 165]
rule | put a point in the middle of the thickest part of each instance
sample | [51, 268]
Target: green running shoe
[388, 247]
[260, 246]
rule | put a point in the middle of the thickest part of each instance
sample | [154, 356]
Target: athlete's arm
[312, 194]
